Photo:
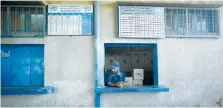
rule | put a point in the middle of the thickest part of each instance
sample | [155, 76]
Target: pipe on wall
[96, 40]
[96, 49]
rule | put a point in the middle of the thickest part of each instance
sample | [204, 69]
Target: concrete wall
[191, 68]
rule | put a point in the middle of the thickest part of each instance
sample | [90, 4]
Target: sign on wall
[70, 19]
[141, 22]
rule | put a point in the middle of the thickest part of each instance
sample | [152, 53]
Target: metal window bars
[3, 19]
[191, 22]
[23, 21]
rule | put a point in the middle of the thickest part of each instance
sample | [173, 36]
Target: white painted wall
[191, 68]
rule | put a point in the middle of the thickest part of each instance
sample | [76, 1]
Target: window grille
[192, 22]
[23, 21]
[3, 19]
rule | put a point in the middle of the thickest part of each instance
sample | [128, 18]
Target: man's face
[114, 69]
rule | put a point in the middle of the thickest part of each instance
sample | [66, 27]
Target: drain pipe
[96, 40]
[96, 50]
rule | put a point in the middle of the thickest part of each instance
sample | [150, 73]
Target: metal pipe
[96, 49]
[96, 40]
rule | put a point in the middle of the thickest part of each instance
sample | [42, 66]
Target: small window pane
[216, 22]
[169, 26]
[175, 21]
[181, 22]
[3, 20]
[36, 22]
[16, 19]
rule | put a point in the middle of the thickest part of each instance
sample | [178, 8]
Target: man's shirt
[114, 77]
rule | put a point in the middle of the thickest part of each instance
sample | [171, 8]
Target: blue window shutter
[16, 67]
[37, 66]
[22, 65]
[6, 66]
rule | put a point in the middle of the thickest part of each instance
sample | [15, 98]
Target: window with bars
[192, 22]
[23, 21]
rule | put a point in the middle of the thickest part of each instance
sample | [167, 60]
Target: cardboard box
[128, 81]
[128, 78]
[137, 82]
[138, 74]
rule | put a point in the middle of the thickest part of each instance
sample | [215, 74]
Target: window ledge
[26, 90]
[132, 89]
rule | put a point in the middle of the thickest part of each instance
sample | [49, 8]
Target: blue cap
[115, 64]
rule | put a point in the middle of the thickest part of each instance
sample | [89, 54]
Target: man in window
[114, 77]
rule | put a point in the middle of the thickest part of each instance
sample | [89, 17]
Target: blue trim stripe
[26, 90]
[132, 89]
[97, 99]
[129, 44]
[155, 65]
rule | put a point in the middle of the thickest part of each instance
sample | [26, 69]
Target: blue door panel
[15, 70]
[6, 66]
[37, 66]
[21, 66]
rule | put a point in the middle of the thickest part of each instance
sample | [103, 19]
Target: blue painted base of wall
[26, 90]
[132, 89]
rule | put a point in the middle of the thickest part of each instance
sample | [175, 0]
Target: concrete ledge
[132, 89]
[26, 90]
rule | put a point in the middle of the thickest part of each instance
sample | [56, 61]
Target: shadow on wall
[220, 102]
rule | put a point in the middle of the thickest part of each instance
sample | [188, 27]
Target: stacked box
[138, 74]
[137, 82]
[128, 81]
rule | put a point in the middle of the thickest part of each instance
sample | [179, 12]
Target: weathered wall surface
[191, 68]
